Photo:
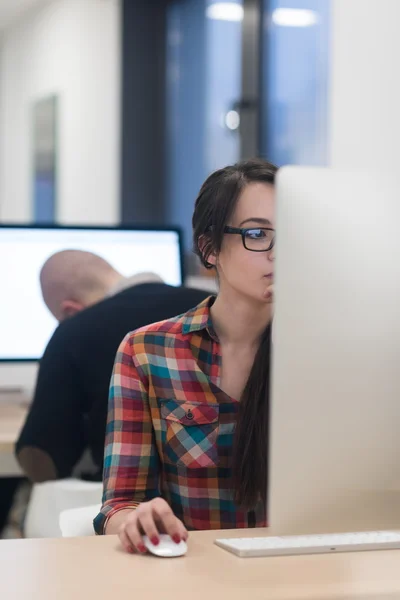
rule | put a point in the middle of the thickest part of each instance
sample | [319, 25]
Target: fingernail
[142, 548]
[176, 539]
[130, 550]
[155, 541]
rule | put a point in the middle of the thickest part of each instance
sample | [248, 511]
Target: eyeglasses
[259, 239]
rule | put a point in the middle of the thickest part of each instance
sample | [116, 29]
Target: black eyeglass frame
[243, 232]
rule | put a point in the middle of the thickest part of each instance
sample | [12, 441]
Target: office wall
[365, 91]
[69, 48]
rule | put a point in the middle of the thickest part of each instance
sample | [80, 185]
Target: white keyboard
[311, 544]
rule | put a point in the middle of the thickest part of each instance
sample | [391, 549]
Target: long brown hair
[213, 209]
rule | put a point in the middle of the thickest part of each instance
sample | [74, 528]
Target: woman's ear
[204, 246]
[212, 260]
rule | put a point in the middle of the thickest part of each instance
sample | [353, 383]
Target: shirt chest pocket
[190, 433]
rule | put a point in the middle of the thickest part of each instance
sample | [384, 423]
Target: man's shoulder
[91, 318]
[143, 297]
[86, 325]
[128, 311]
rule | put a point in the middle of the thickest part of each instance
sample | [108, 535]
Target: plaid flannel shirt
[170, 427]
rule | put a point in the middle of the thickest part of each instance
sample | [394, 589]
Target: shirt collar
[199, 319]
[138, 279]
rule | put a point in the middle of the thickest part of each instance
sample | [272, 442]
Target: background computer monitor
[25, 323]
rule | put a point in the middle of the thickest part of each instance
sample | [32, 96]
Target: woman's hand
[150, 518]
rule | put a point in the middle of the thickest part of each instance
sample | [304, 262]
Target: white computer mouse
[167, 548]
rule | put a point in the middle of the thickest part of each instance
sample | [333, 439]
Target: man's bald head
[72, 280]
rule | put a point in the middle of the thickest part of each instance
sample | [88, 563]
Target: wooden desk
[95, 567]
[12, 417]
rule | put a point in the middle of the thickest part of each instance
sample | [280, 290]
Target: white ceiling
[10, 10]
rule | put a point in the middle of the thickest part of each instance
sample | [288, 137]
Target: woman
[187, 433]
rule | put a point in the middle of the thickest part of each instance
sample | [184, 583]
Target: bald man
[96, 307]
[72, 280]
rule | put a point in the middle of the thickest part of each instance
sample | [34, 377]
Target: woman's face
[249, 273]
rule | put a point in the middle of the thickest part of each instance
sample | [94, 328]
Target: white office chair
[50, 499]
[78, 522]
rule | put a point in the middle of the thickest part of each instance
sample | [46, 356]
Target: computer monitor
[25, 323]
[335, 395]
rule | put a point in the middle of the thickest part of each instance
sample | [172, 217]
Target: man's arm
[53, 437]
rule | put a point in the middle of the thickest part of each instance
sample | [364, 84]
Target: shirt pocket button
[189, 415]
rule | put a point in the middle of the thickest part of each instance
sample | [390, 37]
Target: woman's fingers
[171, 525]
[130, 534]
[148, 526]
[151, 518]
[125, 541]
